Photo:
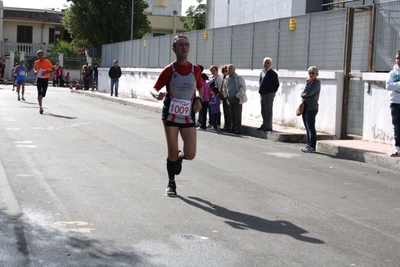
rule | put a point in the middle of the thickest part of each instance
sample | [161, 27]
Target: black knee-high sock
[171, 169]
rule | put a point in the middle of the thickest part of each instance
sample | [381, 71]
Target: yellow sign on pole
[205, 35]
[292, 24]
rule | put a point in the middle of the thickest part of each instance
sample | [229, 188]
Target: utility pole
[133, 10]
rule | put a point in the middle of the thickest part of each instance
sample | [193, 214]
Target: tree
[195, 18]
[68, 49]
[97, 22]
[335, 4]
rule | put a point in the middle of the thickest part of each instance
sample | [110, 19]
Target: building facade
[164, 17]
[222, 13]
[28, 30]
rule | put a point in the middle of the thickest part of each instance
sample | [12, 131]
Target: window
[24, 34]
[162, 3]
[52, 36]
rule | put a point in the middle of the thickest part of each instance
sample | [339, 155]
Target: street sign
[92, 52]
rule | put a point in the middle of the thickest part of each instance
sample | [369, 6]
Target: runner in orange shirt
[42, 67]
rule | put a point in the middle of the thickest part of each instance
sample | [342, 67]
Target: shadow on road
[244, 221]
[59, 116]
[24, 242]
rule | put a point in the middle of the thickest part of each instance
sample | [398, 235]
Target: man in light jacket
[393, 86]
[235, 91]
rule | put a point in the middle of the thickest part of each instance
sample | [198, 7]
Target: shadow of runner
[27, 243]
[59, 116]
[244, 221]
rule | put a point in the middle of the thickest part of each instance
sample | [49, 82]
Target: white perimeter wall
[137, 83]
[377, 118]
[377, 124]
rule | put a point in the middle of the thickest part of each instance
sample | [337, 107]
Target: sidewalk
[369, 152]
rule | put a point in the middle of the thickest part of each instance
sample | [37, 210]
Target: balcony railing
[29, 49]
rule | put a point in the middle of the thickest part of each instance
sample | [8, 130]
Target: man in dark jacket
[115, 73]
[95, 76]
[2, 70]
[269, 84]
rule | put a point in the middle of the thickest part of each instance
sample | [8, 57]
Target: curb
[369, 157]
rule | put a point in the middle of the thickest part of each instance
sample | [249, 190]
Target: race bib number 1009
[180, 107]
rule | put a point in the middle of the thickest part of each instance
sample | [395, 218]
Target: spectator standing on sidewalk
[310, 95]
[67, 78]
[21, 73]
[14, 76]
[2, 70]
[87, 77]
[114, 73]
[269, 84]
[42, 68]
[54, 79]
[95, 75]
[225, 104]
[393, 86]
[205, 104]
[215, 112]
[59, 76]
[215, 80]
[235, 91]
[181, 79]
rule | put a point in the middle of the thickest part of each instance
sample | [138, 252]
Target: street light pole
[174, 22]
[133, 9]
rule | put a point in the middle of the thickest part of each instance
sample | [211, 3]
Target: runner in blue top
[21, 72]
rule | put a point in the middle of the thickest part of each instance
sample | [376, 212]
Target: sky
[59, 4]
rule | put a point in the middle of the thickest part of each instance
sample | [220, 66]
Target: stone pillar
[22, 56]
[61, 59]
[9, 66]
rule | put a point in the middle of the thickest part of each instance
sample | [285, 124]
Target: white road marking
[74, 226]
[283, 155]
[25, 144]
[8, 119]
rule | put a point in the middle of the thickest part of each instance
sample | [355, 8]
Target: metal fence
[387, 35]
[318, 40]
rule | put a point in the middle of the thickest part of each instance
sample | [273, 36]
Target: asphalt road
[83, 185]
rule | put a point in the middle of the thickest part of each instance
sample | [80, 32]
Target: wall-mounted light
[205, 35]
[292, 24]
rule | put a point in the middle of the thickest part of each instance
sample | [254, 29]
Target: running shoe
[41, 110]
[23, 98]
[178, 166]
[171, 190]
[19, 98]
